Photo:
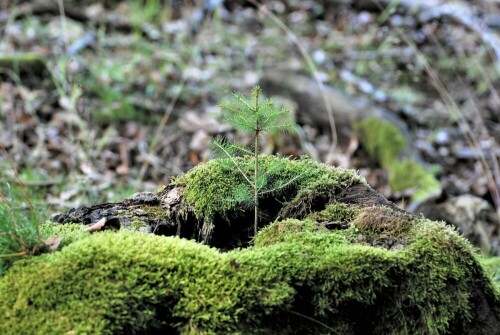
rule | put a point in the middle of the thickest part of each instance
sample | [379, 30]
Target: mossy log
[332, 256]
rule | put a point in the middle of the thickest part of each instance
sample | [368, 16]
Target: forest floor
[101, 99]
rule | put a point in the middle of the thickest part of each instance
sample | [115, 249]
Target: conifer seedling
[255, 116]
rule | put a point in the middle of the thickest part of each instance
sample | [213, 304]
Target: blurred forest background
[101, 99]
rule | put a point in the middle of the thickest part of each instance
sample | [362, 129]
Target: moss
[129, 282]
[383, 226]
[382, 140]
[213, 187]
[309, 279]
[69, 232]
[411, 175]
[24, 61]
[384, 272]
[141, 217]
[137, 225]
[154, 211]
[378, 226]
[278, 231]
[384, 143]
[336, 212]
[492, 267]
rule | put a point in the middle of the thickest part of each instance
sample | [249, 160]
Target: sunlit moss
[412, 175]
[68, 232]
[128, 282]
[492, 266]
[278, 231]
[213, 187]
[382, 140]
[384, 143]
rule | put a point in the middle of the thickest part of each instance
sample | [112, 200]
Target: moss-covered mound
[216, 193]
[299, 278]
[354, 264]
[214, 188]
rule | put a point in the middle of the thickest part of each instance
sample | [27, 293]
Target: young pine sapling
[254, 116]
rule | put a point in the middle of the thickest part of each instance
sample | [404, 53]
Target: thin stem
[255, 189]
[284, 185]
[221, 147]
[256, 170]
[18, 254]
[313, 320]
[310, 64]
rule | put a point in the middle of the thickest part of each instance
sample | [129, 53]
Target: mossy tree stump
[332, 257]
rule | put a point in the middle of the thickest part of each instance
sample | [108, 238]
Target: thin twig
[18, 254]
[167, 113]
[311, 65]
[233, 161]
[313, 320]
[16, 176]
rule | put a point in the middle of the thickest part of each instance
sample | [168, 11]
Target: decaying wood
[166, 213]
[363, 195]
[142, 210]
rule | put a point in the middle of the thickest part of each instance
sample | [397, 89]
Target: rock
[474, 217]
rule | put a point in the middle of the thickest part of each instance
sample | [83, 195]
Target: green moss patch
[384, 143]
[280, 230]
[212, 188]
[492, 266]
[336, 212]
[409, 174]
[306, 280]
[68, 232]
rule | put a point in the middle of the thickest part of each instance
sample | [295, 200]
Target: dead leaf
[53, 243]
[104, 224]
